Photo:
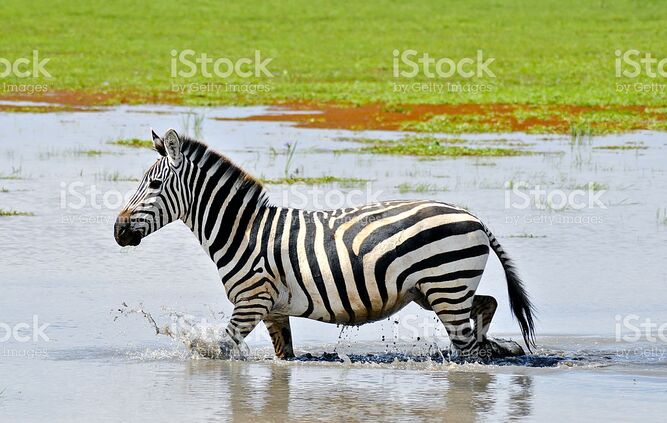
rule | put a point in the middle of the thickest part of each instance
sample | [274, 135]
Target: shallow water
[587, 270]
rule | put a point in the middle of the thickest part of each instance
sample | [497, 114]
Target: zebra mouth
[123, 231]
[126, 236]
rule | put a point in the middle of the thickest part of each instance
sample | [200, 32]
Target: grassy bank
[545, 52]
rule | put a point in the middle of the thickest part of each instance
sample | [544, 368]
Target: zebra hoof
[220, 350]
[501, 348]
[223, 350]
[229, 350]
[226, 351]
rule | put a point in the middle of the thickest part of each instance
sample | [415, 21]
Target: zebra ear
[172, 145]
[158, 144]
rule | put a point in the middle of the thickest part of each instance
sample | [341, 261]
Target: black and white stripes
[348, 266]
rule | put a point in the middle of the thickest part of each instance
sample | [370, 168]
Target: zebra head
[159, 199]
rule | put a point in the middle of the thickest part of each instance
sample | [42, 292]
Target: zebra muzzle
[124, 233]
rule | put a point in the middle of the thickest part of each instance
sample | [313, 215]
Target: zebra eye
[155, 184]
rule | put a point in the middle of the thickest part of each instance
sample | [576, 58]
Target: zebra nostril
[125, 235]
[123, 232]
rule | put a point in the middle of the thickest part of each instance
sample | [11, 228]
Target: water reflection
[262, 392]
[521, 394]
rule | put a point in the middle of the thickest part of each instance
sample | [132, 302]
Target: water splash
[438, 357]
[204, 338]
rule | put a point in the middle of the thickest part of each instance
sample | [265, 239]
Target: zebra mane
[205, 157]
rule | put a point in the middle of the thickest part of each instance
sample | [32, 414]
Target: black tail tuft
[520, 304]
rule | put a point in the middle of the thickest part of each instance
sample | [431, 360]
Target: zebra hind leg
[453, 305]
[281, 336]
[482, 311]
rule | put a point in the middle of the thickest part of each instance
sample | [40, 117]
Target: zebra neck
[224, 206]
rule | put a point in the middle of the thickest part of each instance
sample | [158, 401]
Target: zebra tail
[520, 303]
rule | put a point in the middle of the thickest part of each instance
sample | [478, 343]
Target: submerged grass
[406, 187]
[77, 152]
[449, 141]
[661, 216]
[193, 122]
[115, 177]
[591, 186]
[430, 147]
[133, 142]
[621, 147]
[14, 175]
[320, 180]
[9, 213]
[10, 177]
[91, 152]
[526, 235]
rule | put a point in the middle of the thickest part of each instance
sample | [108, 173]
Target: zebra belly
[390, 294]
[360, 314]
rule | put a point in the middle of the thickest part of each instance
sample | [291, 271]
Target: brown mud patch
[453, 118]
[73, 101]
[485, 117]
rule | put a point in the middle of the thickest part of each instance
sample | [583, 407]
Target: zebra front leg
[281, 336]
[245, 317]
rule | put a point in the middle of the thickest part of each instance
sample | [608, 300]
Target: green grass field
[545, 51]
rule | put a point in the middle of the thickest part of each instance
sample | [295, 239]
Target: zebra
[348, 266]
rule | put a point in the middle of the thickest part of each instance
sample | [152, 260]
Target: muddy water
[588, 269]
